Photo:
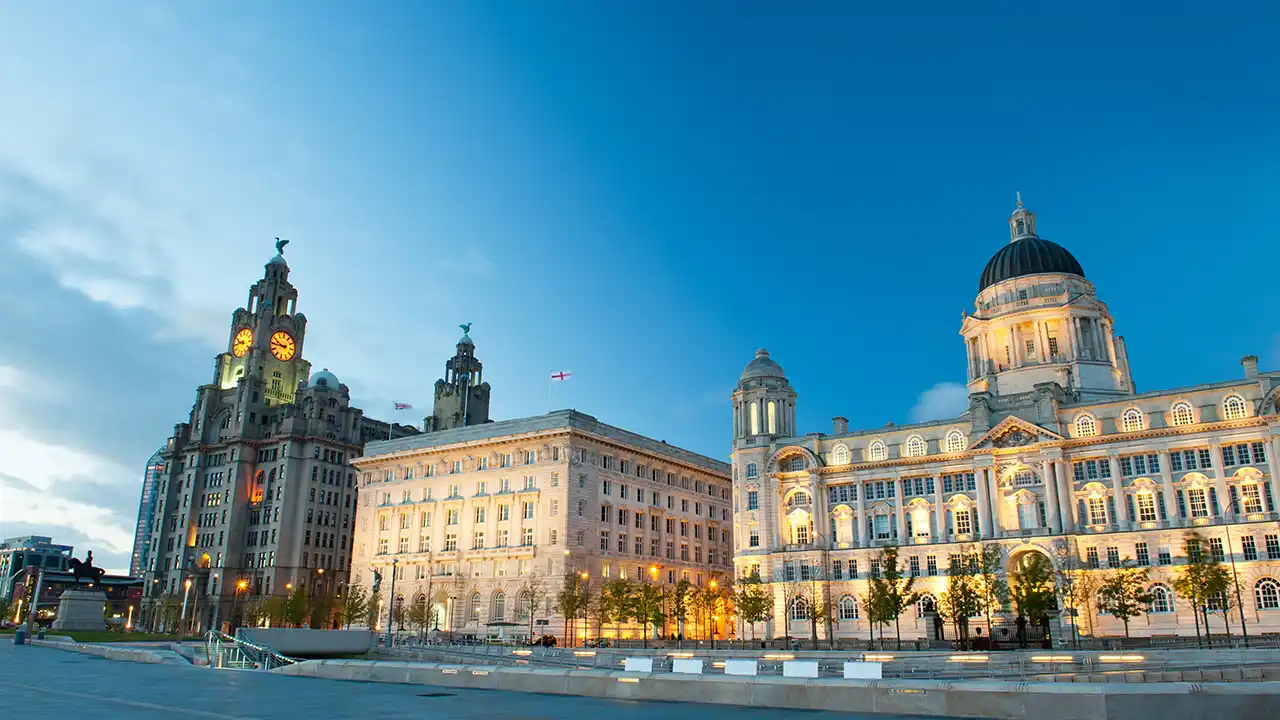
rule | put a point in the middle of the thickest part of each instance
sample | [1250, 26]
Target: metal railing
[229, 653]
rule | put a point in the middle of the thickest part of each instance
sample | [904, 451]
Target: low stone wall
[110, 652]
[985, 699]
[304, 642]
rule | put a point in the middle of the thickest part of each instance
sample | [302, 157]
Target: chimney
[1250, 363]
[839, 425]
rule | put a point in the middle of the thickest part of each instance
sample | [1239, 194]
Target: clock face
[243, 339]
[282, 346]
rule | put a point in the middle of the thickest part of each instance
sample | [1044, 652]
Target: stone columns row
[1051, 496]
[1121, 520]
[1166, 482]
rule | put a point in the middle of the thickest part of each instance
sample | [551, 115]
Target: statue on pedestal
[86, 569]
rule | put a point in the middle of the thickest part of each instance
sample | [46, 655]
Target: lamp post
[653, 576]
[579, 606]
[711, 627]
[128, 624]
[241, 586]
[186, 593]
[391, 615]
[826, 587]
[1235, 578]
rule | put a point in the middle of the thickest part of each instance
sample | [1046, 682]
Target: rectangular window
[1229, 455]
[1165, 557]
[1250, 547]
[450, 542]
[915, 566]
[961, 519]
[478, 542]
[1091, 558]
[1146, 507]
[1126, 466]
[1273, 546]
[1252, 502]
[606, 487]
[1144, 558]
[754, 539]
[1206, 460]
[753, 500]
[1097, 511]
[526, 537]
[1113, 556]
[1199, 505]
[1215, 547]
[528, 511]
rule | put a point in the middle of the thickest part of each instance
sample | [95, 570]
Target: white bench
[688, 666]
[863, 670]
[740, 667]
[638, 664]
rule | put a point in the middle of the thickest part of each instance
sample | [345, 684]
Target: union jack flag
[403, 406]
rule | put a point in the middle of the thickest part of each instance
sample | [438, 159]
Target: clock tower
[265, 343]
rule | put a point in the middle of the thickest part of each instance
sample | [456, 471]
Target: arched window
[955, 441]
[754, 415]
[1233, 407]
[1086, 426]
[1182, 413]
[840, 456]
[499, 607]
[475, 607]
[800, 609]
[1267, 591]
[773, 417]
[1161, 599]
[800, 498]
[526, 606]
[753, 470]
[847, 608]
[1132, 420]
[925, 605]
[794, 464]
[915, 446]
[876, 451]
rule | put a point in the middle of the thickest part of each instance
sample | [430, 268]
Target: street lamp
[391, 616]
[579, 606]
[1235, 578]
[186, 593]
[241, 586]
[711, 630]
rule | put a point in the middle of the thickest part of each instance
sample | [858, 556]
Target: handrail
[242, 653]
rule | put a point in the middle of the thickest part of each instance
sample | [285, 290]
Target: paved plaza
[55, 684]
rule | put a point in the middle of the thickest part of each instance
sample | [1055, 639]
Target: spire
[1022, 224]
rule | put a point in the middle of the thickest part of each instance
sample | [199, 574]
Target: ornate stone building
[478, 521]
[255, 494]
[1057, 454]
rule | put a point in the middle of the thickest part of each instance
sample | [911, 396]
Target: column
[1049, 481]
[994, 500]
[1016, 341]
[860, 516]
[1166, 489]
[984, 506]
[1073, 338]
[1220, 483]
[939, 512]
[1121, 520]
[1042, 335]
[1066, 496]
[1273, 466]
[821, 512]
[903, 539]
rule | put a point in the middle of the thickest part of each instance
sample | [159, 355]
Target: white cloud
[943, 400]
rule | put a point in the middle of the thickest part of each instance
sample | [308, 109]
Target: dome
[762, 367]
[466, 340]
[278, 260]
[325, 379]
[1028, 256]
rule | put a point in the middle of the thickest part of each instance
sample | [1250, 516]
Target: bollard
[20, 635]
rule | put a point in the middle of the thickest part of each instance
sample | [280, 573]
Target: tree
[1032, 592]
[275, 607]
[321, 612]
[354, 606]
[993, 588]
[889, 592]
[295, 608]
[571, 601]
[255, 611]
[535, 591]
[962, 599]
[1202, 580]
[614, 604]
[680, 597]
[417, 615]
[399, 612]
[753, 603]
[1124, 594]
[373, 610]
[646, 608]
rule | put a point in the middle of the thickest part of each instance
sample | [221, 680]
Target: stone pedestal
[81, 610]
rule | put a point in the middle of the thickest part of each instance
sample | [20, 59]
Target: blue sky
[641, 193]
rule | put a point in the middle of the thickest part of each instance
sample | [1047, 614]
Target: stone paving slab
[55, 685]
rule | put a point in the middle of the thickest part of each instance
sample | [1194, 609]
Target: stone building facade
[485, 522]
[255, 491]
[1058, 454]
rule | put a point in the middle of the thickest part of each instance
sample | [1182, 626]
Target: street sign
[541, 622]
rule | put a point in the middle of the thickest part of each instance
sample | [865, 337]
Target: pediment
[1014, 432]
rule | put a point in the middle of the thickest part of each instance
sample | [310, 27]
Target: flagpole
[549, 383]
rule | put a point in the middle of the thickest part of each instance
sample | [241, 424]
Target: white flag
[560, 376]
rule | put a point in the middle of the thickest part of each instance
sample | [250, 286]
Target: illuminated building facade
[257, 485]
[479, 520]
[1058, 454]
